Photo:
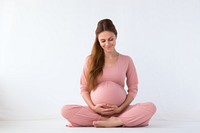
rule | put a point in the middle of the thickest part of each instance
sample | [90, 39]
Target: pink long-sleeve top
[122, 71]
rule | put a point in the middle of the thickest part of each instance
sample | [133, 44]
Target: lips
[109, 47]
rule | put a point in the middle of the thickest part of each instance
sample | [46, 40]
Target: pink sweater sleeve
[83, 79]
[132, 79]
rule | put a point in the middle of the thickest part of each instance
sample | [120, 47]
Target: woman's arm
[99, 108]
[88, 101]
[132, 84]
[126, 103]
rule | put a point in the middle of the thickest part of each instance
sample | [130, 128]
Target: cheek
[102, 45]
[114, 42]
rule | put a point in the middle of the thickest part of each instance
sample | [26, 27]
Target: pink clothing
[134, 115]
[122, 70]
[110, 90]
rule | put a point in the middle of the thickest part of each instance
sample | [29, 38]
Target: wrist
[92, 107]
[121, 108]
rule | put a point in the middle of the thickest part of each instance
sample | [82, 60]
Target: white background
[43, 44]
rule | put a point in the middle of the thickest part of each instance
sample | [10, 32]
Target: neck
[111, 54]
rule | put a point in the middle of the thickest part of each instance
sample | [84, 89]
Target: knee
[151, 107]
[65, 111]
[68, 111]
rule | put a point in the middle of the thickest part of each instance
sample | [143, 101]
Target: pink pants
[134, 115]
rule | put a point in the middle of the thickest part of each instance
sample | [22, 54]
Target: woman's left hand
[115, 109]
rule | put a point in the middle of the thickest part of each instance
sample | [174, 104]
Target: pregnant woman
[103, 87]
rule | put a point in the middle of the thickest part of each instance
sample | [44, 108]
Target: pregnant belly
[108, 92]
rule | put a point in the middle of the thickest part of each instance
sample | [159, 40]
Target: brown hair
[97, 54]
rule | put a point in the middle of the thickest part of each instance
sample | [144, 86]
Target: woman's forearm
[126, 103]
[88, 100]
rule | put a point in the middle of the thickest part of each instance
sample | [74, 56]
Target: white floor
[58, 126]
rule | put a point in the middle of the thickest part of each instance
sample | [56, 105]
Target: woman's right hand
[103, 109]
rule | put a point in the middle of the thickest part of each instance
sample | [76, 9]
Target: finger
[108, 113]
[102, 105]
[111, 106]
[108, 105]
[109, 109]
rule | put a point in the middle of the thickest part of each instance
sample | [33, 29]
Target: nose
[107, 44]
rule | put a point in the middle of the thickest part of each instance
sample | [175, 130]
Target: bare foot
[111, 122]
[103, 118]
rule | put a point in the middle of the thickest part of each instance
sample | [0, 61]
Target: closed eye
[110, 39]
[102, 41]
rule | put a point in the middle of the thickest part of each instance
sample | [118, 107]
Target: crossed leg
[134, 115]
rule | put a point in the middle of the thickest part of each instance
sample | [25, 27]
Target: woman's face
[107, 40]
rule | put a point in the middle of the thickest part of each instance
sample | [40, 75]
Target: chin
[109, 51]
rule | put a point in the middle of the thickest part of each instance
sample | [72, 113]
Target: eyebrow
[108, 38]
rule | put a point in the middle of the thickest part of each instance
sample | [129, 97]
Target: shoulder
[88, 58]
[126, 60]
[86, 61]
[125, 57]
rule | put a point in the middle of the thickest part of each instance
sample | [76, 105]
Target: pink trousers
[134, 115]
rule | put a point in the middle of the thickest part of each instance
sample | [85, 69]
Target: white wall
[43, 45]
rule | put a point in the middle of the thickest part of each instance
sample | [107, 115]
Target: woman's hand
[102, 109]
[115, 108]
[106, 109]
